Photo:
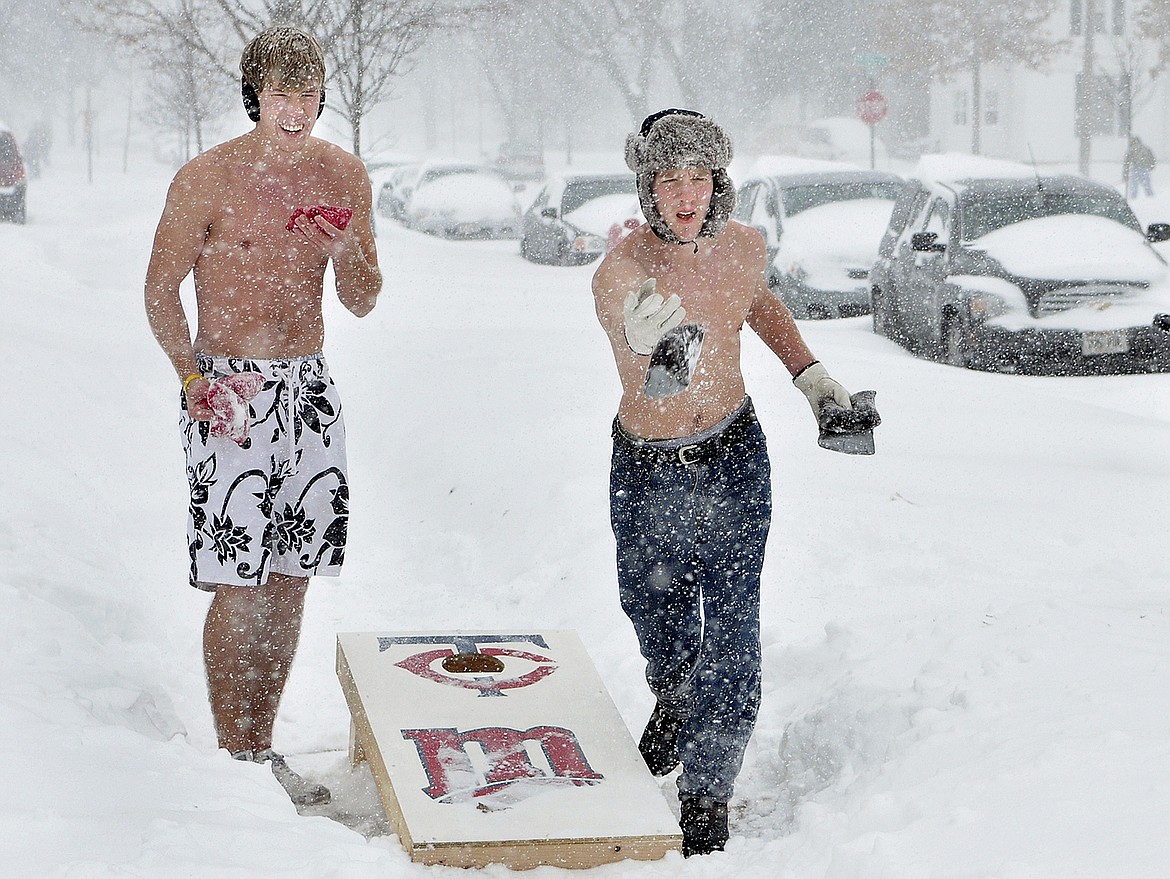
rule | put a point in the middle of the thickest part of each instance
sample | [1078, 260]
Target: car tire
[878, 308]
[957, 347]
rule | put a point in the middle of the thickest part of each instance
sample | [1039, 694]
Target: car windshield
[577, 192]
[801, 198]
[983, 213]
[433, 174]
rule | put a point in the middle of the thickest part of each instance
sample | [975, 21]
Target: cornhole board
[498, 747]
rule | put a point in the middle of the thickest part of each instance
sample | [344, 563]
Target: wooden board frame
[569, 852]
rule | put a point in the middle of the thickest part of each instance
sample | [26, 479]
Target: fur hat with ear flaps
[682, 139]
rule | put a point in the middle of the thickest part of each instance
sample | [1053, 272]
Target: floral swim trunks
[277, 501]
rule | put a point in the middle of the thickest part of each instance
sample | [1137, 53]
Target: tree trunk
[976, 106]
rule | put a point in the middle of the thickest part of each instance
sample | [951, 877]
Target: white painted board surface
[535, 751]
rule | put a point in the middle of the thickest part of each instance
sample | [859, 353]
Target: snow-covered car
[572, 219]
[822, 225]
[13, 179]
[994, 266]
[521, 161]
[395, 192]
[475, 203]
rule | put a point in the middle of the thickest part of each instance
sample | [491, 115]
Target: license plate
[1105, 342]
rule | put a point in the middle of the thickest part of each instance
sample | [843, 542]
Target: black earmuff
[649, 121]
[252, 101]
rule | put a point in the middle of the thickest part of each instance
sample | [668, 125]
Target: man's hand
[648, 317]
[197, 405]
[329, 239]
[815, 383]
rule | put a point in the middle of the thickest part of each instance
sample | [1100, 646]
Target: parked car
[822, 225]
[395, 192]
[571, 221]
[473, 203]
[995, 266]
[520, 161]
[13, 179]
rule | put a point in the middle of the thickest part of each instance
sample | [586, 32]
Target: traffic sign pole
[872, 109]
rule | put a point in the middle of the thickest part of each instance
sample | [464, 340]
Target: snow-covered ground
[967, 644]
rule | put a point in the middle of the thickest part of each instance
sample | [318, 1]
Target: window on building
[991, 108]
[960, 103]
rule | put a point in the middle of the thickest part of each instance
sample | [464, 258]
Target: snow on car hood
[1073, 247]
[598, 214]
[1006, 307]
[465, 197]
[830, 239]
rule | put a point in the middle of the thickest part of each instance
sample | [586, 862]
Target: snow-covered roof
[953, 167]
[770, 166]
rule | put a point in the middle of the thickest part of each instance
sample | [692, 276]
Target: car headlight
[985, 305]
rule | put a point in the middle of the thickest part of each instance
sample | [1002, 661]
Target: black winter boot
[659, 742]
[704, 826]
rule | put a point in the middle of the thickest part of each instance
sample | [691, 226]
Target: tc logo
[466, 648]
[505, 759]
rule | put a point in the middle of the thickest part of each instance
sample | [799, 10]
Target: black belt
[702, 452]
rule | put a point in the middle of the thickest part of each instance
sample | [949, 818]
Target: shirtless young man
[269, 494]
[690, 490]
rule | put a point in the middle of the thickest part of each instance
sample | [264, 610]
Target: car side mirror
[1158, 232]
[926, 242]
[549, 213]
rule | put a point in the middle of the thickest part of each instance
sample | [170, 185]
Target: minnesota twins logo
[529, 761]
[465, 665]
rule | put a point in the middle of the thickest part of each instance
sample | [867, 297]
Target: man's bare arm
[614, 279]
[177, 243]
[770, 318]
[355, 268]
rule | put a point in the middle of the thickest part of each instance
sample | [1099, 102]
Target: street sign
[872, 107]
[871, 60]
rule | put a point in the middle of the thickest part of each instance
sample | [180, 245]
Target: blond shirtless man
[261, 420]
[690, 489]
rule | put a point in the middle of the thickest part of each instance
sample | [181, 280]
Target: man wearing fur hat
[690, 488]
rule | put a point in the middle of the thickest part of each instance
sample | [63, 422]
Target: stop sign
[872, 107]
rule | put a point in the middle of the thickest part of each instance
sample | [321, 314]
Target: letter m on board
[506, 758]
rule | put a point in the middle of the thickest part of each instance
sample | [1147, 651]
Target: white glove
[648, 318]
[814, 382]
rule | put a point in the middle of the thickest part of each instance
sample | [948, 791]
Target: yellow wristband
[187, 381]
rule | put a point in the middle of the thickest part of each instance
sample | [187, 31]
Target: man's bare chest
[255, 212]
[711, 298]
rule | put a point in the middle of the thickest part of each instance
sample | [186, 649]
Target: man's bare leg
[249, 641]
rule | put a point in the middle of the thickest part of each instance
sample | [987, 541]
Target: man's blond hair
[285, 56]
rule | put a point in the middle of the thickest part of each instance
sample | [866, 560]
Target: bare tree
[941, 39]
[367, 42]
[371, 42]
[620, 38]
[1153, 23]
[525, 73]
[175, 44]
